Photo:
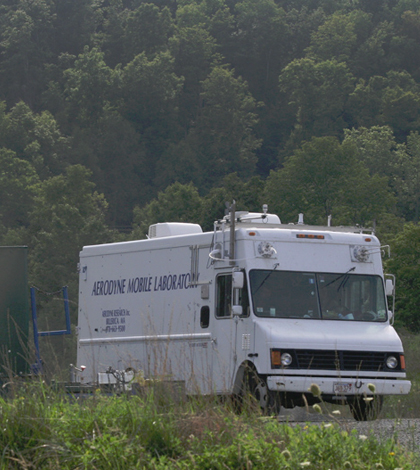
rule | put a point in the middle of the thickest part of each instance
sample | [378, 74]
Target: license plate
[343, 388]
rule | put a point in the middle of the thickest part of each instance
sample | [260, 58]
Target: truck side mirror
[237, 279]
[389, 287]
[237, 310]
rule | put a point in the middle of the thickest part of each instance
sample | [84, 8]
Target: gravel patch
[405, 431]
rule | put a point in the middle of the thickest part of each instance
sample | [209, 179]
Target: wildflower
[305, 464]
[286, 454]
[328, 425]
[317, 408]
[336, 412]
[392, 454]
[362, 437]
[372, 387]
[315, 390]
[368, 399]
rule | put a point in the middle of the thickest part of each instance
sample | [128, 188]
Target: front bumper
[340, 387]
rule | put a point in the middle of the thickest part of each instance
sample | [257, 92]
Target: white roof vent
[265, 218]
[255, 218]
[173, 229]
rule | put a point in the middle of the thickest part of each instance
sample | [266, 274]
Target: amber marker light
[368, 239]
[251, 234]
[402, 361]
[275, 358]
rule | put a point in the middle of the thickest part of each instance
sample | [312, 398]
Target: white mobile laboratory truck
[255, 306]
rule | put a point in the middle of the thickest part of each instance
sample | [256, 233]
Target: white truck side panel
[137, 309]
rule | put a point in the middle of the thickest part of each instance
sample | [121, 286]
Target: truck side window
[224, 295]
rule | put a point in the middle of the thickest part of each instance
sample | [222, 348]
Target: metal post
[232, 233]
[36, 334]
[66, 310]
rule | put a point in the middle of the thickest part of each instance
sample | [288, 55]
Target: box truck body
[254, 306]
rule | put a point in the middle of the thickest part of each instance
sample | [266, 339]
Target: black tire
[255, 394]
[366, 410]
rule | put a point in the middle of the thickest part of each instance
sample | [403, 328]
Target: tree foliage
[326, 178]
[148, 109]
[405, 265]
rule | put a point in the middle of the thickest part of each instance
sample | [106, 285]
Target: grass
[407, 406]
[46, 429]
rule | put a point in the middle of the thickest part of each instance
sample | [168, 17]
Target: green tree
[326, 178]
[147, 29]
[407, 177]
[111, 38]
[194, 50]
[404, 48]
[335, 39]
[18, 180]
[75, 24]
[26, 43]
[178, 203]
[67, 215]
[260, 45]
[393, 100]
[301, 24]
[249, 196]
[150, 90]
[376, 147]
[373, 55]
[405, 264]
[317, 93]
[214, 16]
[221, 142]
[88, 87]
[117, 157]
[35, 138]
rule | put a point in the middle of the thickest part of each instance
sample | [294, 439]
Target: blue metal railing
[37, 367]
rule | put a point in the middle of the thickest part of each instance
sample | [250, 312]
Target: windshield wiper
[266, 277]
[341, 276]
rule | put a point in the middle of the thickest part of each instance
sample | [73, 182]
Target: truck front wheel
[255, 391]
[366, 409]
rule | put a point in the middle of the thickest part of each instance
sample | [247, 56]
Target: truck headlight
[286, 359]
[391, 362]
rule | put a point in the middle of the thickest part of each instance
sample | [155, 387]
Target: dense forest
[116, 114]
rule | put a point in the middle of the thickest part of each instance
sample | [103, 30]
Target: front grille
[340, 360]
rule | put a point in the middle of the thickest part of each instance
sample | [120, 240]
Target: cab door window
[224, 295]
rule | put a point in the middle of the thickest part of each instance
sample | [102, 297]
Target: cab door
[233, 340]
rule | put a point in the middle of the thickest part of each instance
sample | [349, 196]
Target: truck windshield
[289, 294]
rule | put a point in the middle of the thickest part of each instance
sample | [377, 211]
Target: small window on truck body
[205, 316]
